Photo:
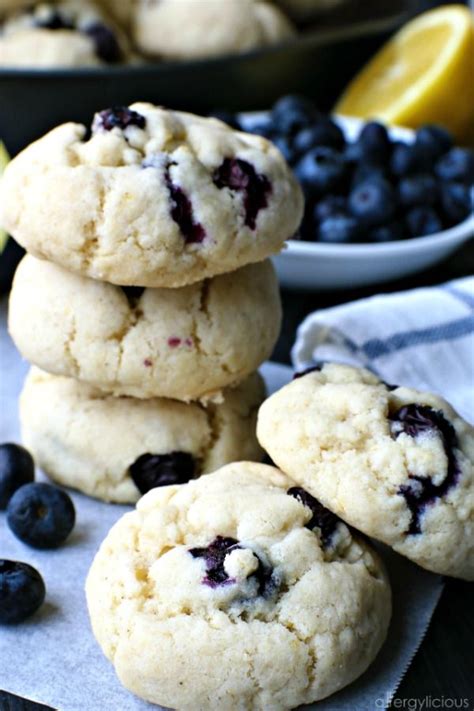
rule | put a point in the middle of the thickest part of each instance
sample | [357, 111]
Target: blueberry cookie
[67, 34]
[180, 29]
[153, 198]
[236, 591]
[117, 449]
[394, 462]
[186, 343]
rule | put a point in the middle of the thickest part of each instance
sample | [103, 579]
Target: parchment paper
[53, 658]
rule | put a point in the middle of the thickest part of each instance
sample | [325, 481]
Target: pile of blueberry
[40, 515]
[373, 189]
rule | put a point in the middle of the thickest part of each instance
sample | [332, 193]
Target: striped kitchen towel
[423, 338]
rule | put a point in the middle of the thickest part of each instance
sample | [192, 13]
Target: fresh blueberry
[152, 470]
[407, 159]
[22, 591]
[328, 207]
[321, 517]
[373, 202]
[227, 117]
[456, 202]
[433, 141]
[421, 491]
[292, 113]
[458, 165]
[16, 469]
[339, 229]
[41, 515]
[390, 232]
[321, 170]
[368, 171]
[285, 146]
[240, 176]
[423, 221]
[419, 189]
[118, 117]
[323, 133]
[106, 44]
[374, 143]
[182, 212]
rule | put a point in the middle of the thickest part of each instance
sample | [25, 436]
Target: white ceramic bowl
[320, 266]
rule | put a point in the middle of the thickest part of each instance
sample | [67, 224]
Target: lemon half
[424, 74]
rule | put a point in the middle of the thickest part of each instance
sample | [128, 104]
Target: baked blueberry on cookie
[393, 462]
[236, 591]
[118, 448]
[70, 33]
[185, 343]
[180, 29]
[152, 198]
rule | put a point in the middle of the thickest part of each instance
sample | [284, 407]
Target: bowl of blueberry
[381, 202]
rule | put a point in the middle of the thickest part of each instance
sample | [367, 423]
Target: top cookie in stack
[151, 198]
[173, 217]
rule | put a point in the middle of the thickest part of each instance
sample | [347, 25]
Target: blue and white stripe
[422, 338]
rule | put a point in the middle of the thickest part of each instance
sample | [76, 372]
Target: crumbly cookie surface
[194, 29]
[153, 198]
[394, 462]
[116, 449]
[186, 343]
[231, 593]
[70, 33]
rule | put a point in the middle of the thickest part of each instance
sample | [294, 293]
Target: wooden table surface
[441, 675]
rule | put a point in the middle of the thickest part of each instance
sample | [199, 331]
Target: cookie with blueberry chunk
[393, 462]
[185, 343]
[64, 34]
[152, 198]
[236, 591]
[118, 448]
[179, 29]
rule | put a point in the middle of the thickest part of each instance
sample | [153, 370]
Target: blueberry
[264, 128]
[433, 141]
[457, 164]
[419, 189]
[106, 44]
[407, 159]
[321, 517]
[41, 515]
[227, 117]
[118, 117]
[329, 206]
[240, 176]
[182, 212]
[456, 202]
[321, 170]
[152, 470]
[214, 555]
[323, 133]
[421, 491]
[423, 221]
[292, 113]
[16, 468]
[22, 591]
[339, 229]
[53, 20]
[285, 146]
[390, 232]
[374, 143]
[368, 171]
[373, 202]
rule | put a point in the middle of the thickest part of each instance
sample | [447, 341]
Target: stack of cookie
[146, 300]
